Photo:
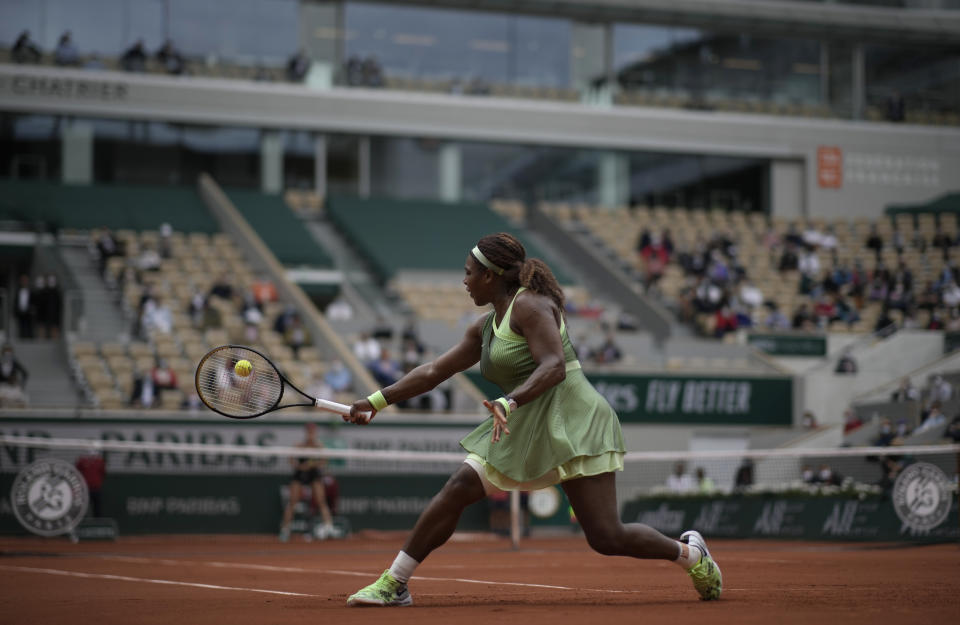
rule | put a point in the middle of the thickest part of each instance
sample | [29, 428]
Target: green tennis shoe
[386, 591]
[705, 574]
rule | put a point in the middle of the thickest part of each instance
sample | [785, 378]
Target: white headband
[485, 262]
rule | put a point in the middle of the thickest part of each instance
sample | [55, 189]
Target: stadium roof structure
[777, 17]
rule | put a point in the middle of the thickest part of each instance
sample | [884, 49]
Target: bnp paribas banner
[715, 399]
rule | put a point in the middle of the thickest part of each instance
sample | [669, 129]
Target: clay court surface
[213, 580]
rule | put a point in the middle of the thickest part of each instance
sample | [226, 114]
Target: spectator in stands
[66, 53]
[149, 259]
[775, 319]
[953, 430]
[134, 59]
[366, 348]
[24, 50]
[725, 321]
[164, 377]
[166, 240]
[886, 436]
[143, 393]
[803, 319]
[934, 419]
[655, 258]
[808, 421]
[49, 304]
[874, 241]
[943, 241]
[705, 485]
[385, 369]
[789, 259]
[251, 312]
[940, 389]
[743, 480]
[750, 295]
[847, 364]
[340, 309]
[680, 481]
[156, 318]
[607, 352]
[296, 335]
[107, 248]
[170, 58]
[906, 391]
[825, 310]
[297, 66]
[411, 354]
[222, 287]
[885, 325]
[338, 377]
[25, 308]
[13, 379]
[196, 308]
[851, 420]
[895, 109]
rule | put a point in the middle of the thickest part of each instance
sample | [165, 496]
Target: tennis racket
[224, 390]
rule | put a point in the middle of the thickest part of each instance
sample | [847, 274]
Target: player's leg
[292, 499]
[437, 523]
[434, 527]
[320, 497]
[594, 501]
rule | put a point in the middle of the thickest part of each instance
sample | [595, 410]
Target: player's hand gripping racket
[241, 383]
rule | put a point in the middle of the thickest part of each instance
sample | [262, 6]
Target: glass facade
[925, 80]
[700, 66]
[466, 46]
[503, 53]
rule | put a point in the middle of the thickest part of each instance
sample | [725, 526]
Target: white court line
[124, 578]
[295, 569]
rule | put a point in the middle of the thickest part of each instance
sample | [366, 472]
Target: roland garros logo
[49, 497]
[921, 496]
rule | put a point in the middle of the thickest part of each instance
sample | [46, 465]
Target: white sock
[403, 567]
[688, 556]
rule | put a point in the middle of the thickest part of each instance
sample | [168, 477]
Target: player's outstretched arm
[458, 358]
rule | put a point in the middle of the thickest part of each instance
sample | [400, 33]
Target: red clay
[53, 581]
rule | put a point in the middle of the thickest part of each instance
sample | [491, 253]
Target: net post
[515, 518]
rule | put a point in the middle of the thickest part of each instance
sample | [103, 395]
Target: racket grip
[340, 409]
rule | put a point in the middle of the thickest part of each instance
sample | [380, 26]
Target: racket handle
[340, 409]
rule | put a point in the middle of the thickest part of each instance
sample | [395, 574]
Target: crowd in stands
[932, 401]
[183, 295]
[835, 283]
[376, 349]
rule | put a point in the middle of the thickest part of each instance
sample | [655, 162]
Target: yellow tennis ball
[243, 368]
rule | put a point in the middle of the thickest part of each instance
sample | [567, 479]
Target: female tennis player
[551, 426]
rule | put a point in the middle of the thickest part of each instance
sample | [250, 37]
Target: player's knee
[463, 487]
[607, 541]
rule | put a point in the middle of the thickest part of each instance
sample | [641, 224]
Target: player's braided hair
[504, 250]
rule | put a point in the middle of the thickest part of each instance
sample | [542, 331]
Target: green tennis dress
[567, 432]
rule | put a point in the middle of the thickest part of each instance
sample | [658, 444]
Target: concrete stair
[50, 384]
[95, 306]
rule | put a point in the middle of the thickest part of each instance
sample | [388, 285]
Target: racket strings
[221, 388]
